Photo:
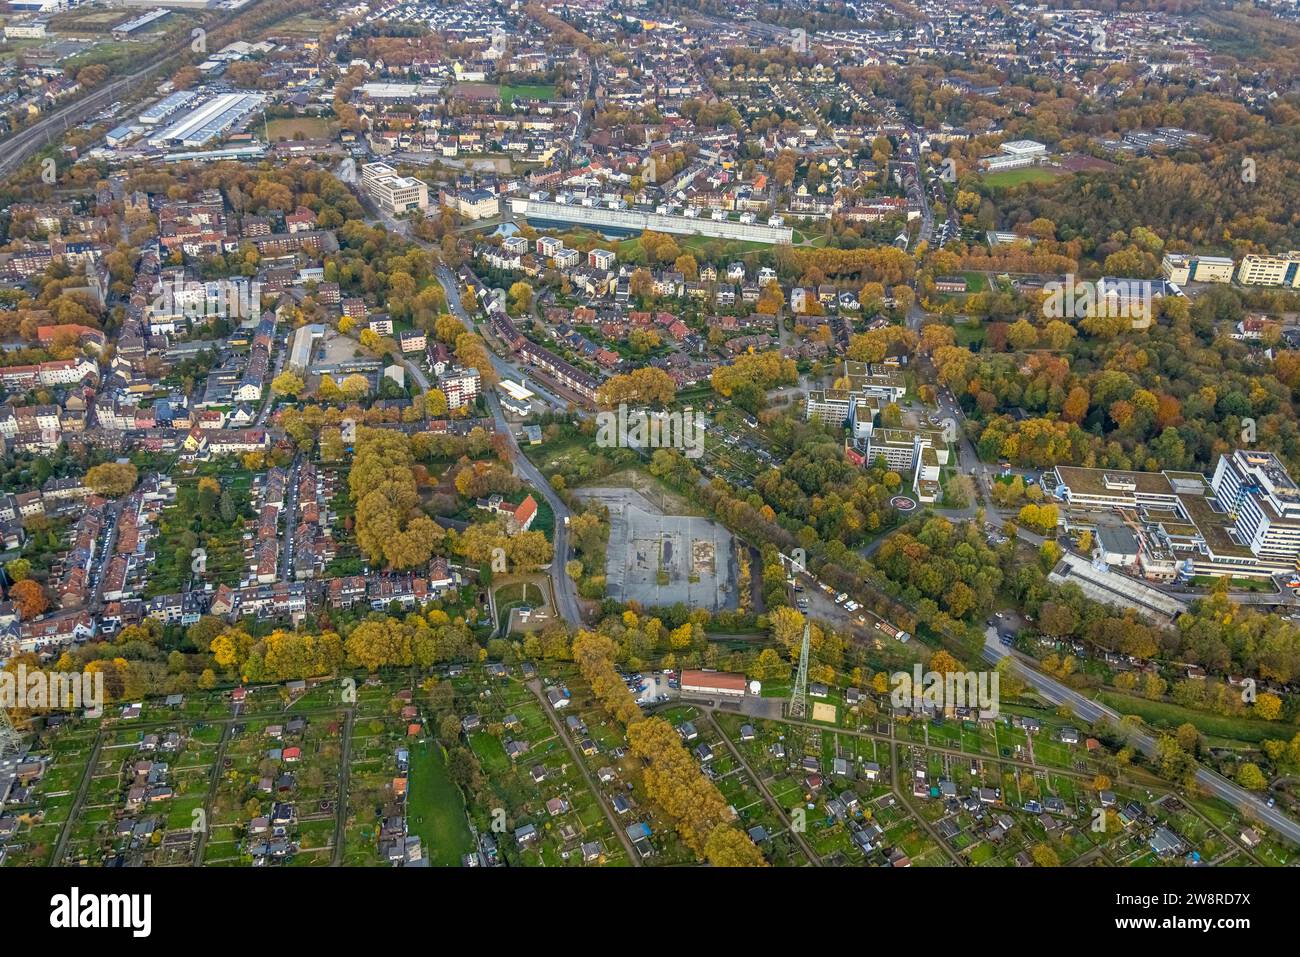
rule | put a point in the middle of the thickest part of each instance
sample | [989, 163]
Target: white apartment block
[831, 406]
[66, 371]
[460, 386]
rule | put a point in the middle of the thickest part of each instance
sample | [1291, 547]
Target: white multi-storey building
[1263, 501]
[396, 194]
[1270, 270]
[460, 386]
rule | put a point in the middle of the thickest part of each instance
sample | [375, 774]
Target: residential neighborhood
[636, 434]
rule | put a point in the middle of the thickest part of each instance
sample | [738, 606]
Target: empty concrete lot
[659, 559]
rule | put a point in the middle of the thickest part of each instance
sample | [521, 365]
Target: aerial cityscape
[649, 433]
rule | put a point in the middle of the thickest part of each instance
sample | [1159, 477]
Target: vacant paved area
[659, 559]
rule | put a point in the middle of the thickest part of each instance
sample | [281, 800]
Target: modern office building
[393, 193]
[1263, 501]
[1180, 269]
[1270, 270]
[1244, 521]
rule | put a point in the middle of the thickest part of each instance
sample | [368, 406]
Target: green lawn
[1241, 584]
[1018, 177]
[541, 91]
[1162, 714]
[490, 752]
[309, 126]
[515, 594]
[435, 809]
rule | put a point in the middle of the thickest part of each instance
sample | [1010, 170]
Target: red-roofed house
[524, 514]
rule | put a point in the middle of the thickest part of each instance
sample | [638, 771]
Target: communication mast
[799, 697]
[11, 741]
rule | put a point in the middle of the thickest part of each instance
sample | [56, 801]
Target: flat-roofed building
[1244, 521]
[460, 386]
[1114, 488]
[906, 449]
[866, 379]
[831, 406]
[1263, 501]
[515, 390]
[393, 193]
[1270, 270]
[713, 684]
[1180, 269]
[1023, 148]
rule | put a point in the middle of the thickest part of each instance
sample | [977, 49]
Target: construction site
[658, 559]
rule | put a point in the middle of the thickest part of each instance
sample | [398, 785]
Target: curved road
[1214, 783]
[566, 590]
[1049, 688]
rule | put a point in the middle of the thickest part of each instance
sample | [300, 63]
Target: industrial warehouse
[209, 121]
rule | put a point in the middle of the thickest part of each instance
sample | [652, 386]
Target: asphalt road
[289, 518]
[1089, 710]
[566, 589]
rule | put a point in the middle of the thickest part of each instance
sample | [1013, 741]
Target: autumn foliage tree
[671, 777]
[29, 598]
[389, 525]
[112, 479]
